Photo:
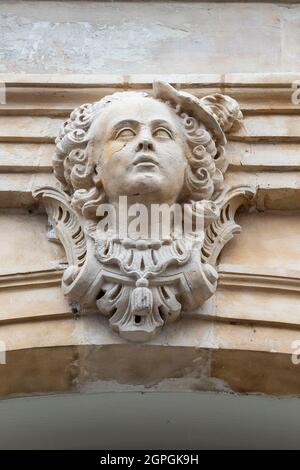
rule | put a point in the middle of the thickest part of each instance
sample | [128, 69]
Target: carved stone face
[129, 144]
[142, 151]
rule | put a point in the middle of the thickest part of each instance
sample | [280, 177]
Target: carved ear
[65, 225]
[222, 229]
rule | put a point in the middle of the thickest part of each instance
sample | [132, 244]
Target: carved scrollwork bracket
[221, 230]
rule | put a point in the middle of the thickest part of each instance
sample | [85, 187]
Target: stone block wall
[55, 56]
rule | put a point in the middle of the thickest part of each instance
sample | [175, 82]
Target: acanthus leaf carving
[65, 227]
[222, 229]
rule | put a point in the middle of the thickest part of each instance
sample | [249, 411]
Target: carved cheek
[177, 155]
[117, 149]
[110, 150]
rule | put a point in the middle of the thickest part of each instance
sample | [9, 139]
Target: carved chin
[144, 183]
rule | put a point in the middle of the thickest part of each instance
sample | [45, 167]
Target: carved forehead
[138, 108]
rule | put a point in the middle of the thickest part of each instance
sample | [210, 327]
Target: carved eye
[162, 133]
[125, 133]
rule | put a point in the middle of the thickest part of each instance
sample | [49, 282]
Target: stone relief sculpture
[168, 148]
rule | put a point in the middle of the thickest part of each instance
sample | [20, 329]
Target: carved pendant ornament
[119, 159]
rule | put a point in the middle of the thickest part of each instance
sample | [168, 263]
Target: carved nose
[145, 145]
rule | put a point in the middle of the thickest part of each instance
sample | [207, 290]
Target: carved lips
[145, 160]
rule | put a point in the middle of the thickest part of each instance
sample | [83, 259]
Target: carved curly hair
[204, 179]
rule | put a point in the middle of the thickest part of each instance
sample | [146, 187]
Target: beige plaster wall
[148, 37]
[268, 243]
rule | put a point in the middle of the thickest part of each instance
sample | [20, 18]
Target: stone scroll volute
[167, 148]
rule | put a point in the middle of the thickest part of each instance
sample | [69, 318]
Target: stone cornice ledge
[256, 80]
[31, 279]
[239, 280]
[236, 276]
[229, 275]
